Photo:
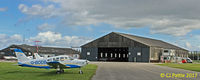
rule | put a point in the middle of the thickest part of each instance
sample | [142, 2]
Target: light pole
[36, 44]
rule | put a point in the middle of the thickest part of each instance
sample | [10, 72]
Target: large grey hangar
[117, 46]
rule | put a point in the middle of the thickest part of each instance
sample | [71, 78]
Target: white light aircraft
[58, 62]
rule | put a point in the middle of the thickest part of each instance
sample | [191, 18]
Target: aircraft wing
[56, 65]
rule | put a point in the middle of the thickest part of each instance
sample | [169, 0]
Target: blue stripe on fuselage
[67, 65]
[53, 62]
[48, 67]
[27, 65]
[73, 66]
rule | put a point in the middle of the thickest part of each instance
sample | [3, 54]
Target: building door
[113, 54]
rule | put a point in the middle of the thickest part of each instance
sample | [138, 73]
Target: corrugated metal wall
[134, 57]
[115, 40]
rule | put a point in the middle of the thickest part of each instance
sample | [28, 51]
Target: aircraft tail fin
[21, 57]
[37, 56]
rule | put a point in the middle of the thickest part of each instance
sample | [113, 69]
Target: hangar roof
[146, 41]
[149, 41]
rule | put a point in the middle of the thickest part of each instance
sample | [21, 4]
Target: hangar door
[113, 54]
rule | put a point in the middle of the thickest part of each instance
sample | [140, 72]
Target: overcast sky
[65, 23]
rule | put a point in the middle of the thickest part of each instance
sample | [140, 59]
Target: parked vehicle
[188, 60]
[184, 61]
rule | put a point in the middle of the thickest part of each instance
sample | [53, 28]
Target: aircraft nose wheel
[60, 71]
[80, 72]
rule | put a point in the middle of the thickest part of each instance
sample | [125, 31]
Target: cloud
[56, 39]
[3, 9]
[10, 39]
[197, 37]
[190, 42]
[191, 46]
[188, 45]
[6, 40]
[175, 27]
[38, 10]
[173, 17]
[46, 27]
[47, 39]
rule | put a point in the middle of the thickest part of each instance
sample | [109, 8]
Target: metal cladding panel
[130, 55]
[152, 42]
[134, 57]
[113, 40]
[93, 54]
[134, 43]
[138, 57]
[127, 40]
[145, 54]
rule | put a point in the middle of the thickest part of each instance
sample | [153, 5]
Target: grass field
[192, 67]
[196, 61]
[9, 71]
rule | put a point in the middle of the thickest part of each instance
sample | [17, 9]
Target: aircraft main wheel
[58, 72]
[62, 71]
[80, 72]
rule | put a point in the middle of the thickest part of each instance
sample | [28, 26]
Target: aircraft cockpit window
[54, 59]
[66, 57]
[57, 59]
[70, 58]
[61, 58]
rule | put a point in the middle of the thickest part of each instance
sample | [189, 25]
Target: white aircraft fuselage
[58, 62]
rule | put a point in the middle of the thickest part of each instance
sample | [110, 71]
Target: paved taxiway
[136, 71]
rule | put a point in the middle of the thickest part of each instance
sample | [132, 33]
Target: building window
[54, 59]
[49, 60]
[29, 53]
[62, 58]
[111, 55]
[88, 53]
[101, 55]
[115, 55]
[66, 57]
[57, 59]
[76, 56]
[139, 53]
[2, 53]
